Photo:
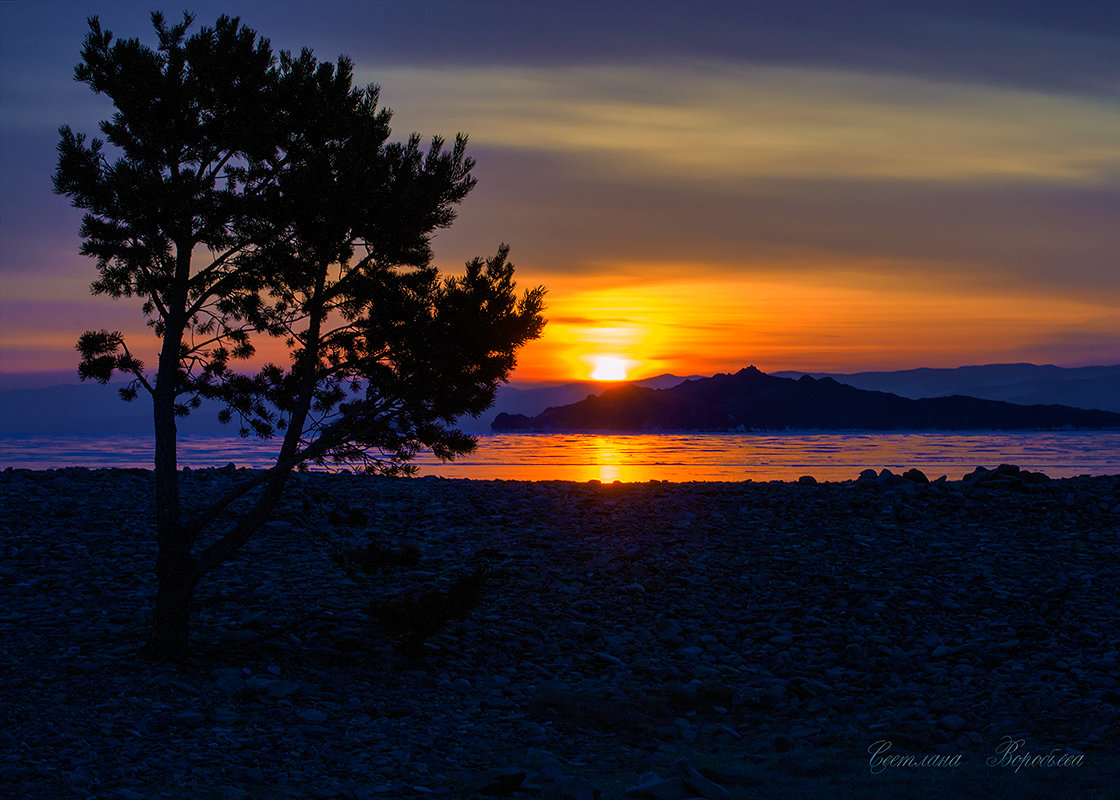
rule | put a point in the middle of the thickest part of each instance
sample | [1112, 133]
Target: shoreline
[1009, 476]
[763, 631]
[638, 458]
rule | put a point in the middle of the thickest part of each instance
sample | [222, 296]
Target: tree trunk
[170, 635]
[168, 640]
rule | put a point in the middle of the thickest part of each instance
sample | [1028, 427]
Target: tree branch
[135, 371]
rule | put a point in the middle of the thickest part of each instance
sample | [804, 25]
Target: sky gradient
[802, 185]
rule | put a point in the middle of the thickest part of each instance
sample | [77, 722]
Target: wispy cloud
[724, 122]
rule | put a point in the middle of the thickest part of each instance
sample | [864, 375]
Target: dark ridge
[753, 400]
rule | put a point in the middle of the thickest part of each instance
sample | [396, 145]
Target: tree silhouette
[240, 195]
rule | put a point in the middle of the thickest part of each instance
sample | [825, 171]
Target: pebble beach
[647, 640]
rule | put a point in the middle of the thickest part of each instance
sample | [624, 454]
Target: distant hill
[95, 410]
[68, 409]
[753, 400]
[528, 401]
[1026, 384]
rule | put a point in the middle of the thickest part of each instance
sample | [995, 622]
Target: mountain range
[1027, 384]
[49, 405]
[753, 400]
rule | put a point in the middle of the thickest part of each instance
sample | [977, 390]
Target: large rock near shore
[753, 400]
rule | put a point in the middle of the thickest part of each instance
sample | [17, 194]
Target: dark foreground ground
[771, 635]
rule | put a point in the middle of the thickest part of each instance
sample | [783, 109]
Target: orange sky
[710, 324]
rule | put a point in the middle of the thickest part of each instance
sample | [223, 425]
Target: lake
[644, 457]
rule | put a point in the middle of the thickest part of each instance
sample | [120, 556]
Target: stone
[569, 787]
[189, 719]
[708, 789]
[747, 695]
[281, 689]
[501, 782]
[551, 770]
[915, 475]
[782, 743]
[954, 722]
[656, 788]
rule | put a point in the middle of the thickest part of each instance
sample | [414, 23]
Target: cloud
[724, 122]
[1095, 341]
[1068, 47]
[565, 218]
[584, 320]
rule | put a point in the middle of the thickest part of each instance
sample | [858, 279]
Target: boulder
[915, 475]
[702, 786]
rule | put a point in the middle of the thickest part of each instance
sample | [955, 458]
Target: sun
[609, 368]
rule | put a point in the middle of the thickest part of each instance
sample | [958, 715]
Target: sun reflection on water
[607, 457]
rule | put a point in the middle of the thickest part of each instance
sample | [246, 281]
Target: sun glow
[609, 368]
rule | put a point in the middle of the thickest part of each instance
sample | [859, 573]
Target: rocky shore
[657, 640]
